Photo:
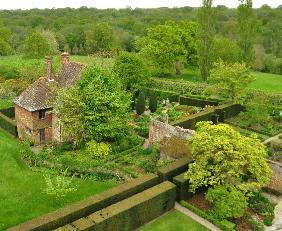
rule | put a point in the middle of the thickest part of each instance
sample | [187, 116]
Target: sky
[102, 4]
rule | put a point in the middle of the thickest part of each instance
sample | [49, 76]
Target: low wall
[275, 184]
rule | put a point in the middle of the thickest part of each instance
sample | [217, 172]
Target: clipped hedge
[132, 212]
[191, 101]
[174, 169]
[90, 205]
[161, 94]
[224, 224]
[182, 185]
[9, 112]
[221, 112]
[8, 125]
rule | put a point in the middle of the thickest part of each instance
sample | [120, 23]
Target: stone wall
[275, 184]
[158, 131]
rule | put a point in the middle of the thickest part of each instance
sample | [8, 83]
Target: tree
[36, 46]
[97, 108]
[100, 37]
[225, 157]
[141, 103]
[163, 46]
[153, 103]
[52, 41]
[131, 71]
[5, 37]
[228, 202]
[247, 24]
[230, 80]
[226, 50]
[5, 48]
[206, 17]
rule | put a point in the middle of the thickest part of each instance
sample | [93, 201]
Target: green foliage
[225, 225]
[5, 39]
[163, 46]
[247, 25]
[131, 71]
[273, 64]
[262, 206]
[100, 37]
[206, 33]
[173, 114]
[97, 108]
[231, 80]
[140, 103]
[226, 50]
[153, 102]
[36, 46]
[228, 202]
[223, 156]
[98, 150]
[5, 48]
[58, 187]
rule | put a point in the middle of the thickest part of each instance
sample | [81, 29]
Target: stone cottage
[34, 107]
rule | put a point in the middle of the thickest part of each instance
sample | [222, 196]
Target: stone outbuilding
[34, 107]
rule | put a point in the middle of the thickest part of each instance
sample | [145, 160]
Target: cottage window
[42, 114]
[27, 131]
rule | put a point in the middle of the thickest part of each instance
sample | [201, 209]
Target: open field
[21, 189]
[174, 220]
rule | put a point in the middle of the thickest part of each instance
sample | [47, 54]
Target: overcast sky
[28, 4]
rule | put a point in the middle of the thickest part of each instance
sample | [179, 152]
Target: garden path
[277, 222]
[197, 218]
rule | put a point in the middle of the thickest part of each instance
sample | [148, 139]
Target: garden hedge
[182, 185]
[9, 112]
[224, 224]
[132, 212]
[8, 125]
[174, 169]
[222, 112]
[90, 205]
[191, 101]
[161, 95]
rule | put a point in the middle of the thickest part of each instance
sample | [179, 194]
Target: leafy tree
[225, 157]
[163, 46]
[36, 46]
[230, 80]
[141, 103]
[5, 48]
[54, 46]
[131, 71]
[228, 202]
[226, 50]
[247, 30]
[153, 103]
[206, 17]
[100, 38]
[97, 108]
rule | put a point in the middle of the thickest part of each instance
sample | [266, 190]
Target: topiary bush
[153, 103]
[141, 103]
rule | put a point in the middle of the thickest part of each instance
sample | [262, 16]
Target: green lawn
[263, 81]
[174, 221]
[267, 82]
[21, 189]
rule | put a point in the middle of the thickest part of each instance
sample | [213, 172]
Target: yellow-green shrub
[98, 150]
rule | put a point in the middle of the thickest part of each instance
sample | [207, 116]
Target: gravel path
[197, 218]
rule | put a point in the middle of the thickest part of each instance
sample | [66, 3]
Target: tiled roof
[40, 94]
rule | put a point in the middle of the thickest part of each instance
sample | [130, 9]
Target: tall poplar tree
[206, 21]
[247, 24]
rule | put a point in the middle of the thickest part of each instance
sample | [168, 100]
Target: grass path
[21, 196]
[172, 221]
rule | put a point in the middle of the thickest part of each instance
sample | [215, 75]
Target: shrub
[228, 202]
[153, 103]
[140, 104]
[98, 150]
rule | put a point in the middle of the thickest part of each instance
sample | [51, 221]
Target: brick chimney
[49, 68]
[65, 58]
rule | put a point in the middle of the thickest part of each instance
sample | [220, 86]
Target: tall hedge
[8, 125]
[141, 103]
[153, 103]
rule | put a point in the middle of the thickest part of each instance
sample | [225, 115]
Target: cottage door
[42, 135]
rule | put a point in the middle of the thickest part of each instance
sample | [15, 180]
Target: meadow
[21, 189]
